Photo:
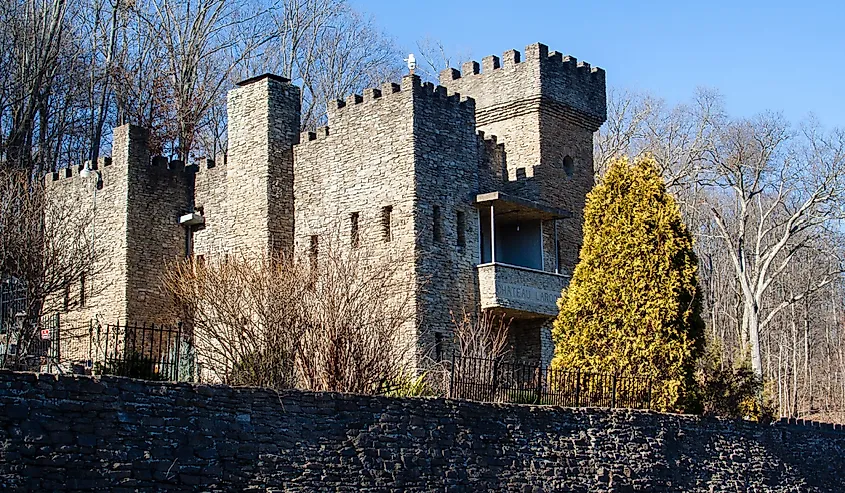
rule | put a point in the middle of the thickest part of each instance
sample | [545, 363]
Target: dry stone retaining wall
[118, 434]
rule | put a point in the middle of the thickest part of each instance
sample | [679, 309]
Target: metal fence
[12, 303]
[152, 352]
[493, 380]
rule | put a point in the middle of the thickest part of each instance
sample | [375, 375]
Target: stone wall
[117, 434]
[248, 197]
[135, 231]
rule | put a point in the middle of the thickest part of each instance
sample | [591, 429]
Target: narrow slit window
[354, 232]
[438, 346]
[386, 212]
[314, 250]
[568, 166]
[462, 224]
[82, 290]
[435, 225]
[67, 296]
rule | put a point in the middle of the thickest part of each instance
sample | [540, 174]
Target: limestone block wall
[263, 127]
[105, 285]
[452, 162]
[211, 198]
[135, 232]
[115, 434]
[159, 193]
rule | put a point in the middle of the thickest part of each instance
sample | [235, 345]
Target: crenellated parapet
[410, 88]
[518, 81]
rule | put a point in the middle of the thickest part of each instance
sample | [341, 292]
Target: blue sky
[781, 56]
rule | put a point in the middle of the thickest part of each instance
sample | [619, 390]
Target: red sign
[45, 334]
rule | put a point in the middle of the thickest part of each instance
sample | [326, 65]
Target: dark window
[354, 235]
[568, 165]
[386, 212]
[314, 250]
[82, 289]
[462, 226]
[67, 296]
[438, 234]
[438, 346]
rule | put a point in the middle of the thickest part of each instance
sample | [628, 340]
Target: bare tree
[330, 50]
[434, 57]
[782, 200]
[482, 334]
[45, 244]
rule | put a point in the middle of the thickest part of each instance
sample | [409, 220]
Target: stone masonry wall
[159, 193]
[452, 161]
[117, 434]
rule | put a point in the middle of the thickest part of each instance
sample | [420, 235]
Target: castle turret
[544, 107]
[263, 127]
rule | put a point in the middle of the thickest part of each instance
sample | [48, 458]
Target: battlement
[157, 164]
[409, 84]
[537, 74]
[535, 53]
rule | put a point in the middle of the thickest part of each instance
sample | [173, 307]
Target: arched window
[568, 165]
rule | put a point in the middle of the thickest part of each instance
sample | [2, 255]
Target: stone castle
[476, 186]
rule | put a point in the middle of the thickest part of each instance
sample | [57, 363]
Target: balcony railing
[522, 291]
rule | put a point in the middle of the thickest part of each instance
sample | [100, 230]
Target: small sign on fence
[45, 334]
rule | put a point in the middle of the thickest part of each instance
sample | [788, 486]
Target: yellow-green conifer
[633, 305]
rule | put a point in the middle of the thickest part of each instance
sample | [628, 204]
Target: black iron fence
[152, 352]
[12, 303]
[494, 380]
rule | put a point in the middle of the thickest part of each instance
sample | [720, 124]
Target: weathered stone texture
[135, 231]
[117, 434]
[256, 217]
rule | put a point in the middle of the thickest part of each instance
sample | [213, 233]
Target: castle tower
[544, 108]
[264, 115]
[134, 203]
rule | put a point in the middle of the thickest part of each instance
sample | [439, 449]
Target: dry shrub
[243, 315]
[336, 324]
[483, 334]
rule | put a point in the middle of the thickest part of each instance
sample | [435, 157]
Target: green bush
[408, 386]
[634, 302]
[729, 391]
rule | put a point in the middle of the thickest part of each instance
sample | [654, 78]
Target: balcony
[520, 291]
[520, 256]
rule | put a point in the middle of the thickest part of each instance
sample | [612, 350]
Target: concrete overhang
[192, 219]
[519, 208]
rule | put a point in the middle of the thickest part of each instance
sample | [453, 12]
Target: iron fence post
[540, 374]
[577, 388]
[178, 350]
[648, 405]
[495, 380]
[613, 392]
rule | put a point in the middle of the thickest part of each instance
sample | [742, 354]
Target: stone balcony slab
[520, 291]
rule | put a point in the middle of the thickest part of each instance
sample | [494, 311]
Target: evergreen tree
[633, 305]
